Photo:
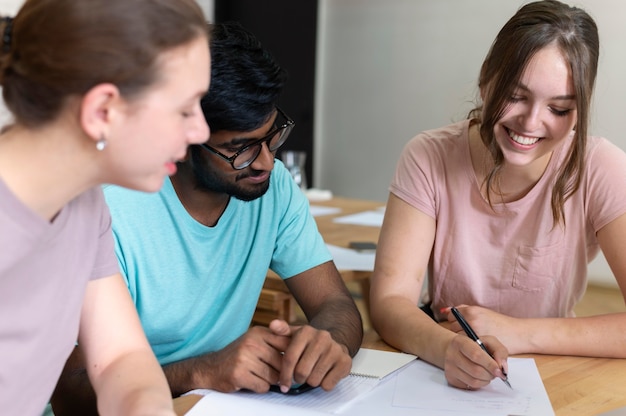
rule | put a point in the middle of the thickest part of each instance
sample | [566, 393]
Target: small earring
[101, 144]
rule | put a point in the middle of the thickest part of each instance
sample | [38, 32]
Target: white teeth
[526, 141]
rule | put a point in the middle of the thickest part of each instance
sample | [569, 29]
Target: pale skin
[123, 370]
[543, 107]
[126, 376]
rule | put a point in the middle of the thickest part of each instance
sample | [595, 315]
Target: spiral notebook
[378, 364]
[369, 367]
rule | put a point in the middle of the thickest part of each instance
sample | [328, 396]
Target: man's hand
[253, 362]
[312, 356]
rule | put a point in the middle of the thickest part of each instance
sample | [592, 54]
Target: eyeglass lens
[248, 156]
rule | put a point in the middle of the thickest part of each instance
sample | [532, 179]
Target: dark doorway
[288, 29]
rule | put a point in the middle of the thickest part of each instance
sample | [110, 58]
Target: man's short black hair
[246, 81]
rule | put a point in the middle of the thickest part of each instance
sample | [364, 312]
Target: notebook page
[348, 390]
[215, 403]
[378, 364]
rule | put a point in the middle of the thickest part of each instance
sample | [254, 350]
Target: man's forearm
[180, 375]
[342, 319]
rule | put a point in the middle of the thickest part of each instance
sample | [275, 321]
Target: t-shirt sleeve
[605, 182]
[413, 178]
[106, 262]
[299, 245]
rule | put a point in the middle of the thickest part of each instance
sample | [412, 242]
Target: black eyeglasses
[248, 154]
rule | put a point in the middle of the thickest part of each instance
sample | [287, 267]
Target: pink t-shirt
[44, 270]
[512, 260]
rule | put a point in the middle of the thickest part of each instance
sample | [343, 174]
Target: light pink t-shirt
[44, 270]
[512, 260]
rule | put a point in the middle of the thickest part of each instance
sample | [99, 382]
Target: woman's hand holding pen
[475, 368]
[466, 365]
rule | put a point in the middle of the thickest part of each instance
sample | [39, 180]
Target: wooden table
[183, 404]
[582, 385]
[341, 234]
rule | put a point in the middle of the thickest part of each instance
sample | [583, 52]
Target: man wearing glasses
[196, 254]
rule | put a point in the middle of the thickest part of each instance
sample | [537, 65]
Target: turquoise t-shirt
[196, 287]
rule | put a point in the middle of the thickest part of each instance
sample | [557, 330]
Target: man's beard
[207, 180]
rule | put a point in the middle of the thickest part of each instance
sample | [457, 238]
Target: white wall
[7, 8]
[10, 7]
[388, 69]
[208, 7]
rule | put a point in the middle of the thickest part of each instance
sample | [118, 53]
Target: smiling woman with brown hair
[503, 211]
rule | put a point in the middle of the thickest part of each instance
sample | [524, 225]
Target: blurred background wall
[367, 75]
[388, 69]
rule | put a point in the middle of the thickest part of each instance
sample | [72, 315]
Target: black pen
[470, 333]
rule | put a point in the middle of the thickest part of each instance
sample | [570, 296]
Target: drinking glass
[295, 162]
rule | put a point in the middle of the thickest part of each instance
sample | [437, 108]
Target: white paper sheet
[214, 403]
[348, 390]
[348, 259]
[319, 210]
[372, 218]
[421, 388]
[615, 412]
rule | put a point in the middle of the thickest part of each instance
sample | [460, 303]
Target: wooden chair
[275, 302]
